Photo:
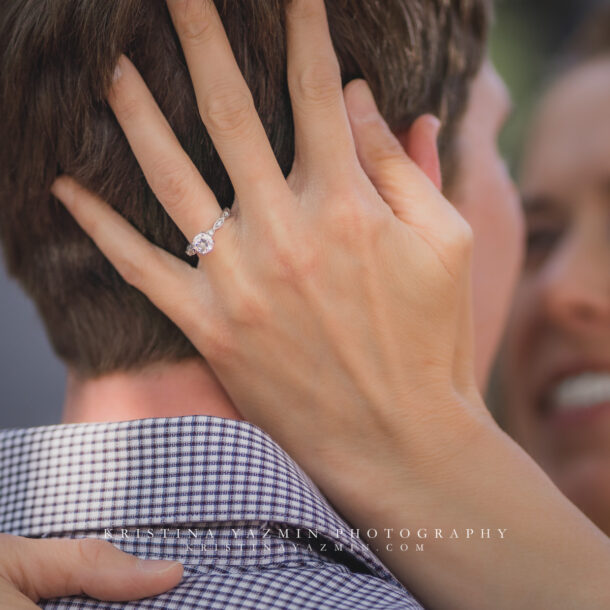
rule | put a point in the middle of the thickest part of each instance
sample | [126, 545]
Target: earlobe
[420, 143]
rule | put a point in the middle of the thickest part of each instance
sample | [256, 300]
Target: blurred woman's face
[557, 358]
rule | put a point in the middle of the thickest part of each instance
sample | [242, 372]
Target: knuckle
[390, 156]
[229, 112]
[194, 20]
[348, 220]
[125, 106]
[290, 252]
[318, 83]
[460, 240]
[381, 148]
[91, 550]
[172, 182]
[295, 262]
[249, 310]
[131, 271]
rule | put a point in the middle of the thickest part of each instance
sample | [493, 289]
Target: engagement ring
[203, 243]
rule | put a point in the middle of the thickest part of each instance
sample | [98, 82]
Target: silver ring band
[203, 243]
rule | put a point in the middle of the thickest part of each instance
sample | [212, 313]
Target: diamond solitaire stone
[202, 243]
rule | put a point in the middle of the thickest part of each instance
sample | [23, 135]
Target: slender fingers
[155, 272]
[322, 132]
[225, 104]
[168, 169]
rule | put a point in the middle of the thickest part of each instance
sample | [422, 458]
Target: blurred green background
[527, 36]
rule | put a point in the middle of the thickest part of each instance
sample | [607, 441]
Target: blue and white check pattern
[216, 494]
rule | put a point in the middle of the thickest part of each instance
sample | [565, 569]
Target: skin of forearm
[551, 555]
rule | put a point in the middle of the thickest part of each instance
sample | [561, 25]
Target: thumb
[405, 187]
[43, 569]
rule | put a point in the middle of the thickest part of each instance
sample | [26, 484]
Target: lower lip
[580, 416]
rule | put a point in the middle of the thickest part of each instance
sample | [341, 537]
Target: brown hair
[56, 62]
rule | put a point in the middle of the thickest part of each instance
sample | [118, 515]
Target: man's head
[56, 62]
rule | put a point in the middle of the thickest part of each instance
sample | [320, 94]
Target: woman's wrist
[475, 525]
[415, 447]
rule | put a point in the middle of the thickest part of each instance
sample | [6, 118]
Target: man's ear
[420, 143]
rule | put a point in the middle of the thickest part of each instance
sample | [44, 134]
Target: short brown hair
[56, 62]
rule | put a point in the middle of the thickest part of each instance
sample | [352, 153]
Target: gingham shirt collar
[64, 478]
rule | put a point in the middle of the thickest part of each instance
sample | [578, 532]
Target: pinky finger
[158, 274]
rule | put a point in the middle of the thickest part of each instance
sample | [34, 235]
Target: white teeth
[582, 391]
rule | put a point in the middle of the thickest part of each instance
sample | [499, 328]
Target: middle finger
[226, 105]
[169, 171]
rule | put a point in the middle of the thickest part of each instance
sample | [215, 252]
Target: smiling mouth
[579, 393]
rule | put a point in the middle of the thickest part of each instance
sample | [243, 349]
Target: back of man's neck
[160, 390]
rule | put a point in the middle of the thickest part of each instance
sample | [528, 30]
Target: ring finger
[169, 171]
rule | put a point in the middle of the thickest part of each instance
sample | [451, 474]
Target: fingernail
[118, 70]
[434, 124]
[156, 566]
[361, 101]
[117, 73]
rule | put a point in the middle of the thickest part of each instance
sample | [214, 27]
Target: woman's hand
[334, 307]
[31, 570]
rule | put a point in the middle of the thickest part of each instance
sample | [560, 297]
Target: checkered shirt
[218, 495]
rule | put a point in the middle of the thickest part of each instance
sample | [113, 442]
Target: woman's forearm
[499, 533]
